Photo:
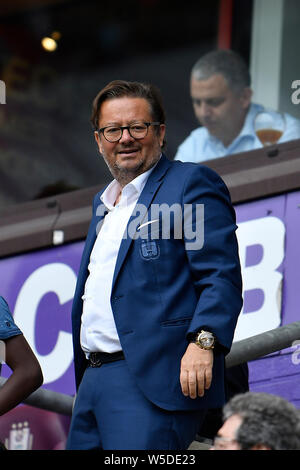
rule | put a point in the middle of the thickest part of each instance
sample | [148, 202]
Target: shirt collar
[247, 129]
[136, 186]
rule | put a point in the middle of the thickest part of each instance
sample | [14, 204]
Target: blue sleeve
[292, 129]
[185, 151]
[193, 148]
[8, 328]
[216, 266]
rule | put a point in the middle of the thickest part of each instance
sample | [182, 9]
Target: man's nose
[204, 110]
[126, 137]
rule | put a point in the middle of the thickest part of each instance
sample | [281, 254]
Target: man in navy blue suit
[159, 287]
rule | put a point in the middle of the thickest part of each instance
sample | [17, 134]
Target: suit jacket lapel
[152, 185]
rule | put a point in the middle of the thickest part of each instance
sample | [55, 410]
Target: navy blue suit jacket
[162, 291]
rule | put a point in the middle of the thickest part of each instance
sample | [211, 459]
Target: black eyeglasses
[138, 130]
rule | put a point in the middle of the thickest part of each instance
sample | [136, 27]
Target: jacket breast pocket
[176, 322]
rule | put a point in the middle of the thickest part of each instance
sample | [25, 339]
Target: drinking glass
[269, 125]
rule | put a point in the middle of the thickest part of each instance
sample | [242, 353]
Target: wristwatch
[205, 340]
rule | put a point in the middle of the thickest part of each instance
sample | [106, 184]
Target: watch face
[207, 342]
[206, 339]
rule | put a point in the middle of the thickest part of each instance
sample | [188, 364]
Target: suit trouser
[110, 412]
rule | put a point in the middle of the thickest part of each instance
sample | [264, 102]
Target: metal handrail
[48, 400]
[262, 344]
[242, 351]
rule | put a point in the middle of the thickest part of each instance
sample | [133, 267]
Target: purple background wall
[278, 373]
[39, 288]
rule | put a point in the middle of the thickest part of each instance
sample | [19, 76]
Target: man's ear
[246, 96]
[162, 133]
[98, 141]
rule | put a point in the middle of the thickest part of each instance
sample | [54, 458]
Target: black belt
[96, 359]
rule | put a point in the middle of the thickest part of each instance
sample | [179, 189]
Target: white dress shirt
[200, 146]
[98, 329]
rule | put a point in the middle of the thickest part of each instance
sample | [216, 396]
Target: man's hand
[196, 371]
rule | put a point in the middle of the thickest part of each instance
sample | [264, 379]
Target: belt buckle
[94, 361]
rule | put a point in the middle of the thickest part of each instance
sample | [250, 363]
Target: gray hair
[266, 419]
[227, 63]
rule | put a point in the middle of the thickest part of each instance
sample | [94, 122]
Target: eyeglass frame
[122, 128]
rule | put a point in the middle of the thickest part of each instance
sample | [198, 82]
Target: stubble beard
[125, 175]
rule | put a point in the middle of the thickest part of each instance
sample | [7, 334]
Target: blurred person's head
[259, 421]
[221, 93]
